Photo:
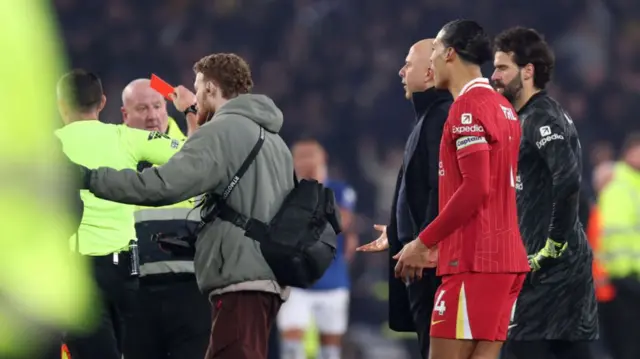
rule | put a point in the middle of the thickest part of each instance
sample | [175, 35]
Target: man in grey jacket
[230, 269]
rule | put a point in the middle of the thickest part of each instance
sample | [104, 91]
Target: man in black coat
[415, 202]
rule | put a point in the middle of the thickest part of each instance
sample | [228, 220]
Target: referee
[556, 312]
[170, 317]
[106, 234]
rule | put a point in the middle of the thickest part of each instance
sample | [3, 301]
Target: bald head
[135, 86]
[143, 107]
[415, 73]
[422, 49]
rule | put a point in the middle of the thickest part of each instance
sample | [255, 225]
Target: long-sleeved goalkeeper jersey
[557, 302]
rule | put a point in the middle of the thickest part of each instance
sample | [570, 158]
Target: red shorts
[475, 306]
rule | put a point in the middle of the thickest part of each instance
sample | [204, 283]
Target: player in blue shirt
[327, 302]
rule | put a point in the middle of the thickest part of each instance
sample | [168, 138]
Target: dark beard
[512, 90]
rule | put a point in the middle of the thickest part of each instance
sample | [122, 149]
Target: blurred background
[332, 67]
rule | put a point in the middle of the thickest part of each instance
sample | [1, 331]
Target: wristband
[191, 109]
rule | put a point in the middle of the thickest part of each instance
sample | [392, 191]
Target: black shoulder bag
[299, 243]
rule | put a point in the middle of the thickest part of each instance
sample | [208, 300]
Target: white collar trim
[477, 82]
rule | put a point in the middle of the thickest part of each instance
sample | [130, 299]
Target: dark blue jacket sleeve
[432, 131]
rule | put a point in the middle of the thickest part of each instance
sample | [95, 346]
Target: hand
[182, 98]
[378, 245]
[432, 257]
[413, 259]
[551, 250]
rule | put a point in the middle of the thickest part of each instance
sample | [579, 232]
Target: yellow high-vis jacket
[619, 205]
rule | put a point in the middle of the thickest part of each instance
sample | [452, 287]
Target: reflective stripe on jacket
[176, 220]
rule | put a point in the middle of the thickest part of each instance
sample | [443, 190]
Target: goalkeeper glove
[551, 250]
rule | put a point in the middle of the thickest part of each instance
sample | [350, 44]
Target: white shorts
[329, 309]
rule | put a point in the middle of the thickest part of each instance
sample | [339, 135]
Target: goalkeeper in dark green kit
[555, 315]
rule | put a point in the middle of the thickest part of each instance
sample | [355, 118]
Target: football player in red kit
[480, 254]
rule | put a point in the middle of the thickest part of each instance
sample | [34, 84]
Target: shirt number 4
[440, 306]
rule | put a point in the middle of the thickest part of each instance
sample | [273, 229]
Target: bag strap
[243, 168]
[209, 207]
[254, 229]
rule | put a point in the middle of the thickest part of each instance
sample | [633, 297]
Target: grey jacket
[225, 259]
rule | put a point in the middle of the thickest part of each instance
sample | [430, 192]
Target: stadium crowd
[332, 67]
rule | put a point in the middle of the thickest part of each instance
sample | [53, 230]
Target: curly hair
[528, 47]
[229, 71]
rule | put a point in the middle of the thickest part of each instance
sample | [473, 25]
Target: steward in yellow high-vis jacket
[172, 318]
[619, 204]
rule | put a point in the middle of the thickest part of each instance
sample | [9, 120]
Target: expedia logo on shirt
[543, 142]
[467, 129]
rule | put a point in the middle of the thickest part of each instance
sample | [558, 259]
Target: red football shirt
[480, 119]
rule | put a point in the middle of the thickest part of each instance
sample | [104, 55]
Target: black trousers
[421, 295]
[170, 319]
[117, 288]
[620, 320]
[547, 349]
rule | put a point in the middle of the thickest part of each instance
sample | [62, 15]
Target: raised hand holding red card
[162, 87]
[182, 98]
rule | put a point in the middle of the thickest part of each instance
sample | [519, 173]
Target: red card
[161, 86]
